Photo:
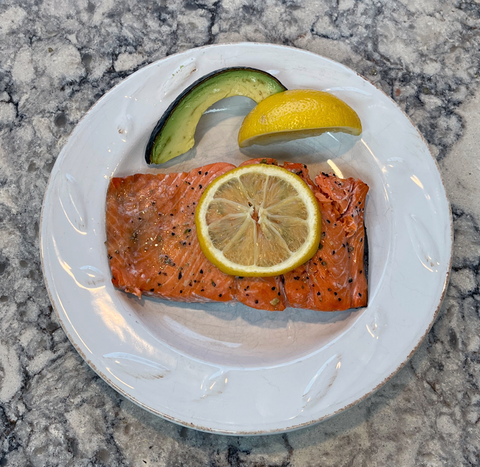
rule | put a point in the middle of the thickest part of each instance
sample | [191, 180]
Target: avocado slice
[174, 133]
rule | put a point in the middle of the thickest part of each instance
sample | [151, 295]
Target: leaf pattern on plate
[323, 380]
[125, 127]
[214, 385]
[376, 325]
[73, 204]
[423, 244]
[138, 367]
[90, 277]
[179, 76]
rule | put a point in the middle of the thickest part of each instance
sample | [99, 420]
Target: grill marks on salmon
[153, 247]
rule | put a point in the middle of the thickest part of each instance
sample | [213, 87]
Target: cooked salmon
[153, 248]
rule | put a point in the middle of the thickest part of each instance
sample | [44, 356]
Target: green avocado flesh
[174, 133]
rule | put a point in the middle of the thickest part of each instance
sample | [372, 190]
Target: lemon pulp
[298, 113]
[258, 220]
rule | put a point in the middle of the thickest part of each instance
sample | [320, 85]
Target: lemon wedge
[258, 220]
[295, 114]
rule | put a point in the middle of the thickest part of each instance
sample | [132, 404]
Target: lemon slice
[294, 114]
[258, 220]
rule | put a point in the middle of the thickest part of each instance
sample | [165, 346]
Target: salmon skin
[153, 248]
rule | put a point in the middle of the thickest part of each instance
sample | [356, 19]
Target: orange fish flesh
[153, 247]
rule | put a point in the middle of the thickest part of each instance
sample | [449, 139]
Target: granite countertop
[57, 58]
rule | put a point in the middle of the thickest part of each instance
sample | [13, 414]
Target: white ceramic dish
[227, 368]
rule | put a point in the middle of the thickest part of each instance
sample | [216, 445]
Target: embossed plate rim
[69, 320]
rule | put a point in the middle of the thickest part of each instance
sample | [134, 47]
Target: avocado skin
[182, 100]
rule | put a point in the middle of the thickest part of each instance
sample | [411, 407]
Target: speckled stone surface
[57, 58]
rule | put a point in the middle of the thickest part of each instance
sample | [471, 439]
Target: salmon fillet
[153, 247]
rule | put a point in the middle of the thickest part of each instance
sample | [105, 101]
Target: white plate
[227, 368]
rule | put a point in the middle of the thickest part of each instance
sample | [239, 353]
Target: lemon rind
[337, 116]
[302, 255]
